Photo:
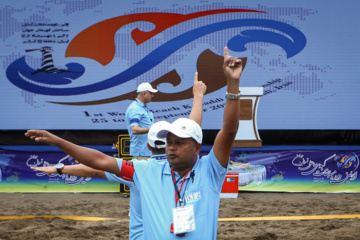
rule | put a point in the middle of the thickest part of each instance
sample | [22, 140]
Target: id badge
[184, 219]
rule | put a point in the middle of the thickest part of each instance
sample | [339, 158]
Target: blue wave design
[291, 46]
[74, 71]
[349, 159]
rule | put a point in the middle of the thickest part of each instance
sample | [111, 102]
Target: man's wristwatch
[59, 167]
[232, 95]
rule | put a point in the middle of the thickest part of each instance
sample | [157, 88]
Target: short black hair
[157, 151]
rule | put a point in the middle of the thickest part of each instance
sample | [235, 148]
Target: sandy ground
[112, 205]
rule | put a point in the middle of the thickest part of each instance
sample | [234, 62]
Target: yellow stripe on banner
[79, 218]
[319, 217]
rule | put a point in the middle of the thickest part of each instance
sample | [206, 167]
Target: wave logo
[97, 43]
[346, 162]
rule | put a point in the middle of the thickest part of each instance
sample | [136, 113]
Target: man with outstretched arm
[179, 197]
[157, 147]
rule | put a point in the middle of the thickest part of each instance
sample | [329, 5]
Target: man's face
[148, 96]
[181, 152]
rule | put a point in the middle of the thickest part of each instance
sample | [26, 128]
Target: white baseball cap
[155, 141]
[146, 87]
[183, 128]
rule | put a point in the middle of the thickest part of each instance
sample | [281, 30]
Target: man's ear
[148, 146]
[197, 148]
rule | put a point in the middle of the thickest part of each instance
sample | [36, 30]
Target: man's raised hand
[232, 66]
[199, 87]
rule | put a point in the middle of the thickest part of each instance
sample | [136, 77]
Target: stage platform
[271, 168]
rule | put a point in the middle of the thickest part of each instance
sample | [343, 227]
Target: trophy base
[247, 144]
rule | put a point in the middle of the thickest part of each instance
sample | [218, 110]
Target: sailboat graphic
[47, 62]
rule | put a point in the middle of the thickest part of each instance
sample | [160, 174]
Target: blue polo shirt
[200, 189]
[137, 114]
[136, 221]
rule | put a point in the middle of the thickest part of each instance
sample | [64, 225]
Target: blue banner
[262, 170]
[16, 175]
[297, 171]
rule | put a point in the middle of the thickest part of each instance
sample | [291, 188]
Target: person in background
[139, 120]
[179, 197]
